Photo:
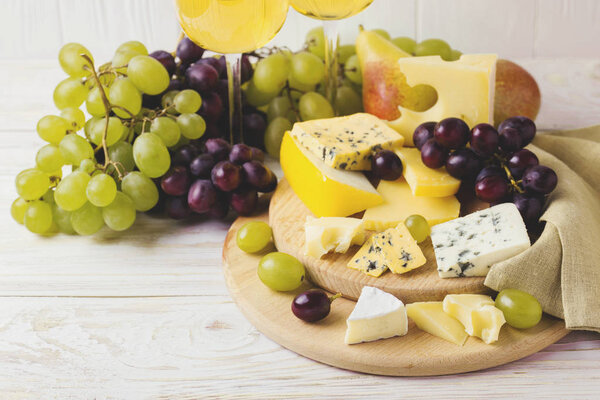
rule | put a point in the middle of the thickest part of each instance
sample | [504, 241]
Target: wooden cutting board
[416, 354]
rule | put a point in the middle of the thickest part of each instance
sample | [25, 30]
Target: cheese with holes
[377, 315]
[477, 313]
[327, 192]
[465, 89]
[430, 317]
[347, 142]
[424, 181]
[470, 245]
[332, 234]
[400, 203]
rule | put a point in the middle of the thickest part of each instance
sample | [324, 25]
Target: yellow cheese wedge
[400, 203]
[332, 234]
[327, 192]
[431, 318]
[477, 313]
[424, 181]
[465, 90]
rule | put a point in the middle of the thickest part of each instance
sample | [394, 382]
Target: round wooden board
[416, 354]
[287, 215]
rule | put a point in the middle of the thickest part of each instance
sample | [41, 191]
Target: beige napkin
[562, 268]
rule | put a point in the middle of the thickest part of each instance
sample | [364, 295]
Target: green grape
[255, 97]
[344, 52]
[32, 183]
[281, 272]
[70, 93]
[192, 126]
[87, 219]
[75, 118]
[120, 214]
[352, 69]
[405, 44]
[113, 134]
[383, 33]
[167, 129]
[88, 166]
[148, 75]
[94, 104]
[418, 227]
[122, 58]
[315, 42]
[521, 310]
[307, 68]
[151, 155]
[124, 94]
[168, 100]
[274, 135]
[299, 86]
[48, 197]
[254, 237]
[71, 61]
[52, 128]
[314, 106]
[70, 192]
[122, 152]
[271, 73]
[141, 190]
[62, 219]
[279, 107]
[75, 149]
[454, 55]
[187, 101]
[133, 46]
[18, 209]
[347, 101]
[49, 158]
[101, 190]
[38, 217]
[433, 47]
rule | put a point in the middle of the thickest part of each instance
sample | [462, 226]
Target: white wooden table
[145, 314]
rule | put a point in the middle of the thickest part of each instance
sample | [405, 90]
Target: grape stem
[512, 180]
[335, 296]
[288, 90]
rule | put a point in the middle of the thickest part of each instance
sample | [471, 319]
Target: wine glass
[330, 11]
[232, 27]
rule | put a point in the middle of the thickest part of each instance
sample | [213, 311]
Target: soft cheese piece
[424, 181]
[347, 142]
[377, 315]
[431, 318]
[470, 245]
[477, 313]
[327, 192]
[332, 234]
[372, 258]
[465, 90]
[400, 203]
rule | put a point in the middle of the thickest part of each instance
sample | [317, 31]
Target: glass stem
[330, 29]
[234, 80]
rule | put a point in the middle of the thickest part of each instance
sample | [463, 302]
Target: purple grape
[226, 176]
[539, 179]
[423, 133]
[244, 201]
[213, 132]
[175, 84]
[312, 305]
[452, 133]
[202, 165]
[254, 128]
[484, 140]
[181, 70]
[216, 64]
[166, 59]
[257, 175]
[202, 78]
[222, 90]
[492, 170]
[525, 126]
[386, 165]
[246, 68]
[218, 148]
[520, 161]
[201, 196]
[272, 185]
[240, 153]
[257, 154]
[492, 189]
[212, 107]
[188, 51]
[530, 206]
[176, 181]
[184, 155]
[177, 207]
[510, 140]
[463, 164]
[219, 210]
[433, 154]
[222, 69]
[160, 205]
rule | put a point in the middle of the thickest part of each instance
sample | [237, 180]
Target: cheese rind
[470, 245]
[347, 142]
[431, 318]
[424, 181]
[377, 315]
[337, 234]
[477, 313]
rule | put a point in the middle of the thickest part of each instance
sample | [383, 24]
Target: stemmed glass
[232, 27]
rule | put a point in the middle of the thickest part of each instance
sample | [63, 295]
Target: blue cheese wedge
[377, 315]
[470, 245]
[372, 258]
[347, 142]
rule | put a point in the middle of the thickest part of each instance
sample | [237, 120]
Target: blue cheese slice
[470, 245]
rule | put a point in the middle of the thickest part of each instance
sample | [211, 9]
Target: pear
[517, 92]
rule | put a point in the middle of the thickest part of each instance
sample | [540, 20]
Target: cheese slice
[372, 258]
[404, 254]
[327, 192]
[431, 318]
[477, 313]
[377, 315]
[465, 90]
[347, 142]
[332, 234]
[400, 203]
[424, 181]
